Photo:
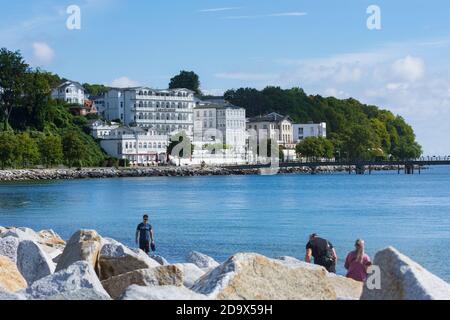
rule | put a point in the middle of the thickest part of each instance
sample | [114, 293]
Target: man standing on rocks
[322, 251]
[144, 236]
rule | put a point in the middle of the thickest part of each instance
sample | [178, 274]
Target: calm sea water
[271, 215]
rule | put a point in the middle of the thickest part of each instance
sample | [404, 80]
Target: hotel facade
[164, 111]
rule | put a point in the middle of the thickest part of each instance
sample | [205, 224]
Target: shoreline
[14, 175]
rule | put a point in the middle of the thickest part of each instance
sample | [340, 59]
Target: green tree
[362, 143]
[12, 73]
[315, 148]
[187, 80]
[95, 89]
[73, 148]
[27, 150]
[35, 100]
[50, 147]
[8, 149]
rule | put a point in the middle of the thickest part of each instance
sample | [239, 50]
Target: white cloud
[124, 82]
[246, 76]
[409, 68]
[43, 53]
[219, 9]
[282, 14]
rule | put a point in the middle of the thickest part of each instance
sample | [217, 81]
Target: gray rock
[404, 279]
[32, 262]
[135, 292]
[21, 234]
[8, 247]
[116, 259]
[191, 273]
[77, 282]
[202, 260]
[158, 276]
[161, 260]
[84, 245]
[6, 295]
[250, 276]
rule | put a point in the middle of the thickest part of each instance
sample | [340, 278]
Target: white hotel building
[220, 123]
[138, 146]
[164, 111]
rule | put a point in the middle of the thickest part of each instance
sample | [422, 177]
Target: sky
[322, 46]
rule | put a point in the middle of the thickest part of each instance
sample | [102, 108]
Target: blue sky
[322, 46]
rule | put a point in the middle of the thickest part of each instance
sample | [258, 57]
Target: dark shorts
[144, 246]
[330, 267]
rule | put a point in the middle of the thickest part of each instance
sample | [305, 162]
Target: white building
[101, 129]
[302, 131]
[276, 126]
[71, 92]
[139, 146]
[216, 124]
[164, 111]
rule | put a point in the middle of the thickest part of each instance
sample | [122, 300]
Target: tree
[315, 148]
[407, 149]
[35, 100]
[187, 80]
[362, 143]
[8, 149]
[12, 72]
[95, 89]
[73, 148]
[27, 150]
[51, 150]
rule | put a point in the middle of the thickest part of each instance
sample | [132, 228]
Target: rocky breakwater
[103, 173]
[41, 266]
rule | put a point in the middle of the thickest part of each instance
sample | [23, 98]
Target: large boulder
[116, 259]
[51, 238]
[249, 276]
[202, 260]
[21, 234]
[135, 292]
[161, 260]
[191, 273]
[8, 247]
[33, 262]
[84, 245]
[6, 295]
[403, 279]
[158, 276]
[345, 288]
[77, 282]
[10, 278]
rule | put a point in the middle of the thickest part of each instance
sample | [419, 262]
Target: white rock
[21, 234]
[404, 279]
[191, 273]
[161, 260]
[158, 276]
[32, 262]
[202, 260]
[116, 259]
[135, 292]
[292, 262]
[8, 247]
[250, 276]
[77, 282]
[6, 295]
[84, 245]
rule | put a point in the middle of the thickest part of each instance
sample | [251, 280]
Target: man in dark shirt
[322, 251]
[144, 235]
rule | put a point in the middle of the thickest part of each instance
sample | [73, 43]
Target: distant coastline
[14, 175]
